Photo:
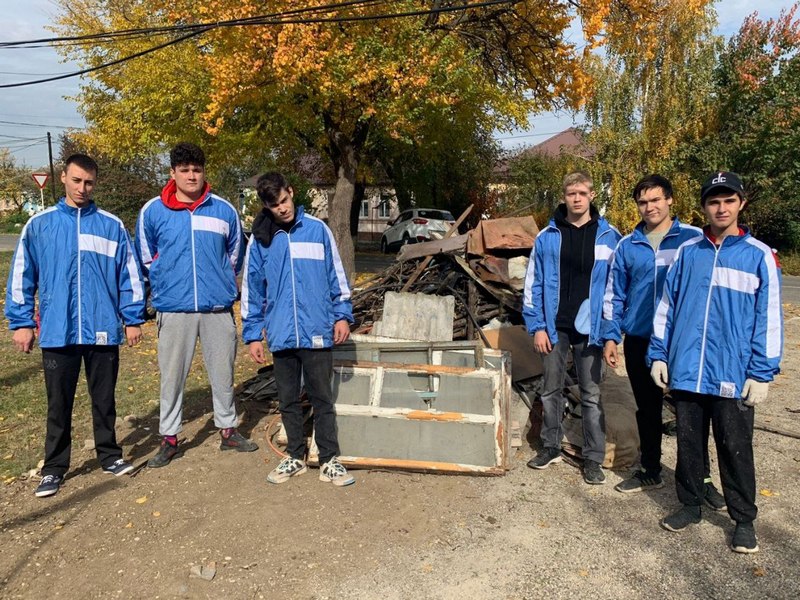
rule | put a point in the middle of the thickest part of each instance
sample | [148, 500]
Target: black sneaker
[118, 467]
[640, 482]
[713, 499]
[236, 441]
[682, 518]
[165, 454]
[49, 485]
[593, 473]
[744, 538]
[545, 458]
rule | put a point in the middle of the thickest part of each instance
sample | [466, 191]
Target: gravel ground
[530, 534]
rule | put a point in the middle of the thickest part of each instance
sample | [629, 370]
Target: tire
[384, 246]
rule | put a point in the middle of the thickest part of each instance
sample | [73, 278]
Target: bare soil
[530, 534]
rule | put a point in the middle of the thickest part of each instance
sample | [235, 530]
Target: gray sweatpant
[177, 337]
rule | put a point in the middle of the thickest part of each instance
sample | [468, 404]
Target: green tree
[757, 129]
[651, 105]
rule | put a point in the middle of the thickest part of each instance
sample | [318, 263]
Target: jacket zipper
[80, 315]
[194, 260]
[705, 319]
[294, 294]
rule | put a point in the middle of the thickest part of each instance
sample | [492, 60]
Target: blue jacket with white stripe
[295, 288]
[191, 257]
[636, 280]
[542, 280]
[81, 262]
[720, 320]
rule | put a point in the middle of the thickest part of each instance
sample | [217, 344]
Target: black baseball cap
[720, 181]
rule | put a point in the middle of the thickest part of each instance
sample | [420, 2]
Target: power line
[197, 30]
[19, 124]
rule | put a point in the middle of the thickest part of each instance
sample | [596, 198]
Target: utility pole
[52, 172]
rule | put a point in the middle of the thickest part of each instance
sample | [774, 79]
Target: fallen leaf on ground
[768, 493]
[141, 500]
[156, 514]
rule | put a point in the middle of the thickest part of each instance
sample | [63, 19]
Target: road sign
[40, 179]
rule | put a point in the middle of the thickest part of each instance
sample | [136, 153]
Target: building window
[364, 212]
[384, 207]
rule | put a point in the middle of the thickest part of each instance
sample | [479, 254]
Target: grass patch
[23, 401]
[790, 262]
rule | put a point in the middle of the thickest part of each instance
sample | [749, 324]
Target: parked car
[416, 225]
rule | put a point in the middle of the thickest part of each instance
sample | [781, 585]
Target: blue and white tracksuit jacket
[542, 280]
[296, 288]
[719, 320]
[636, 280]
[191, 257]
[81, 262]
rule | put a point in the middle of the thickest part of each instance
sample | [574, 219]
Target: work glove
[754, 392]
[659, 373]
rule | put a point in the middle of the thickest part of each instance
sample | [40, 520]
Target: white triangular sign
[40, 179]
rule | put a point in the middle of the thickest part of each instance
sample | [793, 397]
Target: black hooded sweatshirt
[577, 262]
[264, 227]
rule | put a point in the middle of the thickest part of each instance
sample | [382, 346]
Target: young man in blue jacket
[562, 308]
[640, 264]
[188, 241]
[295, 290]
[81, 261]
[717, 343]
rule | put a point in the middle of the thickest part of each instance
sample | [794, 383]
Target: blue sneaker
[118, 467]
[49, 486]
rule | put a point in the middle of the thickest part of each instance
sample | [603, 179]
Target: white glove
[754, 392]
[660, 374]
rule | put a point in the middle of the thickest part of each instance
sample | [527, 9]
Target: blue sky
[47, 108]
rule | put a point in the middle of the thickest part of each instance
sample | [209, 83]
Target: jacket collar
[640, 235]
[72, 211]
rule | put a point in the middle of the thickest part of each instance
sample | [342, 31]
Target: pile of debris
[483, 270]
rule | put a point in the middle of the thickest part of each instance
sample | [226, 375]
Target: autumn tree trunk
[345, 152]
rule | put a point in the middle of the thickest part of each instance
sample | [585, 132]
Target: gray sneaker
[288, 467]
[545, 457]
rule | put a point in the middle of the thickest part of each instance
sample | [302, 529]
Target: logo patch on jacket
[101, 338]
[727, 389]
[317, 341]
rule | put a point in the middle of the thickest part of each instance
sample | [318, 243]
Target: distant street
[8, 241]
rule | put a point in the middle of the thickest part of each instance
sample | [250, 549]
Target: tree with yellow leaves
[330, 75]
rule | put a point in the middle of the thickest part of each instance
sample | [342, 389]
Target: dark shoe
[49, 485]
[545, 458]
[713, 499]
[165, 454]
[593, 472]
[744, 538]
[682, 518]
[236, 441]
[640, 482]
[118, 467]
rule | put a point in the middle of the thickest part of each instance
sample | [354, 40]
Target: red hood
[170, 198]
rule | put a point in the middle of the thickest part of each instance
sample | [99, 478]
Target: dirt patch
[392, 535]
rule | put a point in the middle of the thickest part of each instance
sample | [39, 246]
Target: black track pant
[733, 434]
[62, 367]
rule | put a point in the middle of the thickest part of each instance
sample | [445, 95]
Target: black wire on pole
[209, 26]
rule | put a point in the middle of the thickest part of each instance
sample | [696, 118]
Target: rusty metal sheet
[512, 233]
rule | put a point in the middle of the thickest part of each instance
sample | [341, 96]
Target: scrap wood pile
[484, 270]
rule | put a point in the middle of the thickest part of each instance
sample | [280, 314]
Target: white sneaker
[288, 467]
[334, 472]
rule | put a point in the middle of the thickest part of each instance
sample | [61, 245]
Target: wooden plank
[424, 264]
